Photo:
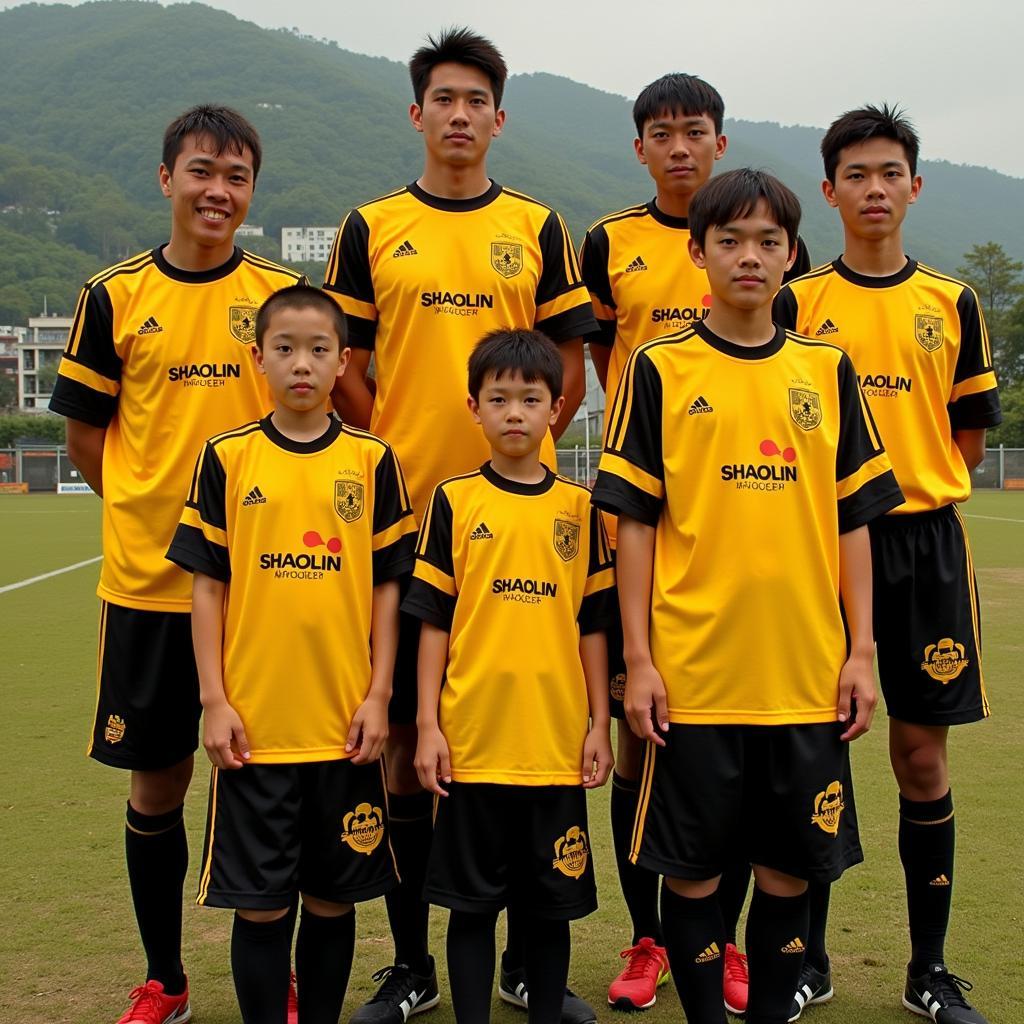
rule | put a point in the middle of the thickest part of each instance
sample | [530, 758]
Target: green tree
[1010, 355]
[1011, 431]
[8, 391]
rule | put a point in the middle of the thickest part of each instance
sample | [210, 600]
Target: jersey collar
[318, 444]
[874, 282]
[679, 223]
[514, 486]
[456, 205]
[195, 276]
[728, 348]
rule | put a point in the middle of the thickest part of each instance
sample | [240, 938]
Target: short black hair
[226, 127]
[677, 94]
[869, 122]
[458, 45]
[531, 354]
[734, 195]
[301, 296]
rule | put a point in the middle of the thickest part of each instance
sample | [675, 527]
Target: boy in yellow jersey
[643, 284]
[421, 274]
[741, 545]
[296, 526]
[157, 360]
[514, 586]
[919, 341]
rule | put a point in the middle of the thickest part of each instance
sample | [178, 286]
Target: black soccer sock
[732, 894]
[261, 966]
[156, 850]
[470, 949]
[776, 940]
[411, 820]
[927, 842]
[818, 894]
[515, 939]
[323, 962]
[547, 968]
[639, 885]
[695, 940]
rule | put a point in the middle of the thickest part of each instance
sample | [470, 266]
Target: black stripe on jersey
[239, 431]
[191, 551]
[938, 275]
[435, 548]
[526, 199]
[76, 401]
[262, 264]
[131, 265]
[594, 256]
[626, 214]
[974, 356]
[568, 253]
[209, 494]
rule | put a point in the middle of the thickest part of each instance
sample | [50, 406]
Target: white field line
[995, 519]
[49, 575]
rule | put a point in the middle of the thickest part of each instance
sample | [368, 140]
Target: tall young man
[157, 360]
[918, 339]
[421, 274]
[643, 285]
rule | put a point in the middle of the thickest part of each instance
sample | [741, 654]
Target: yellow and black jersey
[160, 357]
[421, 280]
[643, 284]
[301, 532]
[750, 462]
[919, 341]
[515, 573]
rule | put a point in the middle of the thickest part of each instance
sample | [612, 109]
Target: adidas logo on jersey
[481, 533]
[826, 328]
[637, 264]
[941, 881]
[150, 326]
[254, 497]
[709, 954]
[700, 404]
[405, 249]
[796, 946]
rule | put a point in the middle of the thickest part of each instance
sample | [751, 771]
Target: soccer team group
[406, 645]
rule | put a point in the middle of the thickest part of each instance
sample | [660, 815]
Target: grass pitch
[68, 945]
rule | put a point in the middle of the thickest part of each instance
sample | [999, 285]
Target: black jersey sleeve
[200, 543]
[432, 592]
[349, 280]
[866, 486]
[89, 377]
[974, 398]
[394, 530]
[785, 310]
[563, 304]
[597, 609]
[594, 254]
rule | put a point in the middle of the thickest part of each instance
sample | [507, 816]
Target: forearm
[855, 589]
[972, 446]
[600, 356]
[353, 393]
[430, 665]
[634, 575]
[85, 449]
[594, 656]
[574, 383]
[383, 639]
[208, 637]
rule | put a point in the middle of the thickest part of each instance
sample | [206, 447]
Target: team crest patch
[507, 258]
[828, 806]
[242, 322]
[567, 539]
[617, 686]
[805, 408]
[348, 500]
[928, 331]
[114, 731]
[363, 828]
[945, 660]
[571, 853]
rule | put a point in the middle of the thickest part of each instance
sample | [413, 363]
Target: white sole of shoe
[824, 997]
[919, 1010]
[428, 1005]
[511, 998]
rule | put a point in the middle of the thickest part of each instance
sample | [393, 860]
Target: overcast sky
[955, 66]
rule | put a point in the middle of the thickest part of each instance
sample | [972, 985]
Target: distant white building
[249, 231]
[301, 245]
[39, 352]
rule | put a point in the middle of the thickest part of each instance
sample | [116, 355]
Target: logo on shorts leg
[114, 731]
[828, 806]
[571, 852]
[363, 828]
[617, 686]
[945, 660]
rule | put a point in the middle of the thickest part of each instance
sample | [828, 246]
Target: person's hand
[646, 703]
[857, 692]
[224, 737]
[432, 761]
[597, 757]
[368, 731]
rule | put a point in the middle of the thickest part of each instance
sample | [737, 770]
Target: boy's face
[873, 188]
[745, 259]
[457, 119]
[301, 358]
[515, 414]
[209, 194]
[680, 151]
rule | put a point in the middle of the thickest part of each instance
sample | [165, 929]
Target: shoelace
[736, 968]
[950, 986]
[145, 998]
[640, 960]
[393, 976]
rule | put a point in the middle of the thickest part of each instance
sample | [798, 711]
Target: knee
[324, 908]
[921, 771]
[777, 883]
[262, 916]
[157, 792]
[693, 890]
[629, 753]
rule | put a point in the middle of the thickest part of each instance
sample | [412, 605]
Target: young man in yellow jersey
[157, 360]
[421, 274]
[514, 586]
[919, 341]
[310, 523]
[643, 284]
[743, 523]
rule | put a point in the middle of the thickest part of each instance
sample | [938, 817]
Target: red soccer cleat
[735, 981]
[646, 968]
[150, 1005]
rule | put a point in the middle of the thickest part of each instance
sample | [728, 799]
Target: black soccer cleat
[401, 994]
[940, 995]
[512, 990]
[814, 987]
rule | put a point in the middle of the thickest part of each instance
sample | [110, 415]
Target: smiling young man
[158, 360]
[643, 285]
[421, 274]
[919, 339]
